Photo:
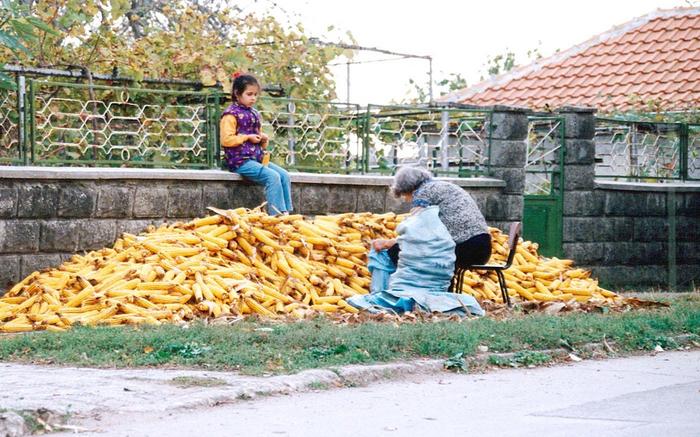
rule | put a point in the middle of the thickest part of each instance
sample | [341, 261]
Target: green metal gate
[544, 182]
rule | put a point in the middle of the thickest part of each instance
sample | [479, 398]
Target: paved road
[639, 396]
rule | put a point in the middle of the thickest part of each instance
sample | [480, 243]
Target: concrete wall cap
[510, 108]
[83, 173]
[573, 108]
[682, 187]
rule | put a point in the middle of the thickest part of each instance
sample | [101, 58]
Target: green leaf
[41, 25]
[24, 30]
[6, 81]
[11, 42]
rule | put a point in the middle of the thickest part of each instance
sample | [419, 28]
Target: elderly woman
[458, 212]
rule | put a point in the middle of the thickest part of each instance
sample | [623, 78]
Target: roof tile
[659, 59]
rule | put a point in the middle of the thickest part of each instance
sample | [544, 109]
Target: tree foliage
[419, 93]
[18, 29]
[506, 61]
[188, 39]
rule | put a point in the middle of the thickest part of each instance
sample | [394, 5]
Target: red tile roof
[652, 57]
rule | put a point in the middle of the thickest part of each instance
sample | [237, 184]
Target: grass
[197, 381]
[285, 348]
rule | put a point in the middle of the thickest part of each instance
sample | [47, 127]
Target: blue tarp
[422, 277]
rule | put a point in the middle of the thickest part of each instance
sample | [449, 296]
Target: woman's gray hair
[408, 179]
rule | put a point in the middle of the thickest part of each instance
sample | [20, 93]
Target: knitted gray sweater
[458, 210]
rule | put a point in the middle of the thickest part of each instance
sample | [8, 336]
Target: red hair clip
[236, 74]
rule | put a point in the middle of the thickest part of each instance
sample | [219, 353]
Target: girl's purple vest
[247, 123]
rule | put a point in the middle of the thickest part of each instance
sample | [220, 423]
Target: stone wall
[48, 214]
[624, 231]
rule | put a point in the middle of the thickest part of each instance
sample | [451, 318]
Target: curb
[358, 375]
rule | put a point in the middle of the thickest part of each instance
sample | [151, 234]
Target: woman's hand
[264, 140]
[254, 138]
[383, 244]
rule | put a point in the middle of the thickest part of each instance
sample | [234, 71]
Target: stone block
[579, 125]
[620, 252]
[184, 201]
[634, 253]
[150, 201]
[584, 203]
[77, 200]
[623, 203]
[613, 277]
[296, 197]
[636, 204]
[509, 125]
[688, 253]
[395, 204]
[578, 151]
[342, 199]
[19, 236]
[315, 199]
[579, 177]
[65, 256]
[502, 207]
[581, 229]
[481, 198]
[37, 200]
[96, 234]
[584, 253]
[32, 263]
[247, 195]
[688, 276]
[504, 226]
[115, 201]
[655, 204]
[508, 153]
[216, 196]
[691, 204]
[9, 272]
[650, 229]
[513, 177]
[621, 229]
[134, 226]
[597, 229]
[59, 236]
[688, 228]
[8, 201]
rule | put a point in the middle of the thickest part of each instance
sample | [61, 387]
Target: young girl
[244, 145]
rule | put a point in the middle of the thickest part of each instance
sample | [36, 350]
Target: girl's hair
[408, 179]
[240, 83]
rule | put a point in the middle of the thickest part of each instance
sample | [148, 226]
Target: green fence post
[672, 267]
[215, 129]
[22, 122]
[32, 123]
[683, 143]
[365, 146]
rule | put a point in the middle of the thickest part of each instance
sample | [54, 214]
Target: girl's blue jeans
[278, 188]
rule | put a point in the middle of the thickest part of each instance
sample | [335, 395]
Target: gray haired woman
[458, 212]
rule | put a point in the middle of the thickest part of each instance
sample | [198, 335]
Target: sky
[459, 35]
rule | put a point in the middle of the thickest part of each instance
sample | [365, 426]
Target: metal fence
[312, 135]
[545, 147]
[448, 141]
[641, 150]
[10, 150]
[58, 123]
[76, 124]
[693, 151]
